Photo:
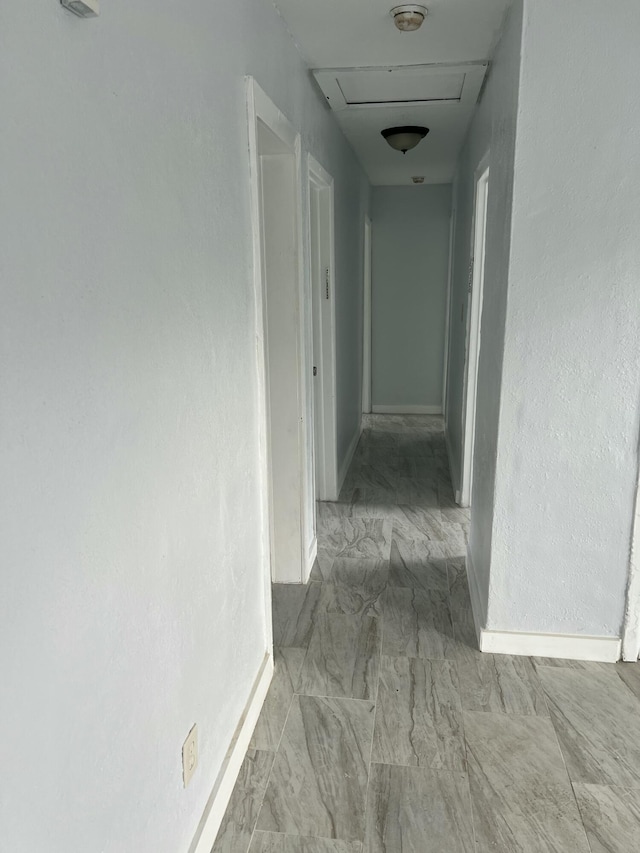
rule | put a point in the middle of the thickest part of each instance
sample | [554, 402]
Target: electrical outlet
[190, 755]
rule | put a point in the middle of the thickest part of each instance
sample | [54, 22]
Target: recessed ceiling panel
[389, 86]
[358, 88]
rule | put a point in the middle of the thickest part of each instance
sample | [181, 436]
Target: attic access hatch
[404, 85]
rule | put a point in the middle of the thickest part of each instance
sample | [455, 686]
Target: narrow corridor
[386, 731]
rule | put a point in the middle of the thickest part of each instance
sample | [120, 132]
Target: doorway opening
[474, 321]
[321, 254]
[275, 182]
[366, 330]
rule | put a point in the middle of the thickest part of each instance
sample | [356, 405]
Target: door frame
[366, 324]
[447, 313]
[262, 110]
[326, 465]
[474, 322]
[631, 626]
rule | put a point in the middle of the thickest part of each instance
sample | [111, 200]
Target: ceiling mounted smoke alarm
[404, 138]
[408, 17]
[418, 179]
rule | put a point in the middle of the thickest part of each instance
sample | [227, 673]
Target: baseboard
[346, 462]
[478, 608]
[211, 819]
[566, 646]
[605, 649]
[406, 410]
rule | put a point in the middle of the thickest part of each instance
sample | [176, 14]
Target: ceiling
[335, 35]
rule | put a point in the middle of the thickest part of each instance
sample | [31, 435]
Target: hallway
[384, 724]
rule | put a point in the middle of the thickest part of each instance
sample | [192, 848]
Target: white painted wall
[133, 601]
[410, 261]
[558, 404]
[570, 407]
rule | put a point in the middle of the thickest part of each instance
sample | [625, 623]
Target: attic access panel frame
[472, 73]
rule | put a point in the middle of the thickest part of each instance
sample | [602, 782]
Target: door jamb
[474, 321]
[326, 469]
[260, 108]
[447, 315]
[631, 626]
[367, 318]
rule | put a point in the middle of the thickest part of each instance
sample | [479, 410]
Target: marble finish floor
[385, 730]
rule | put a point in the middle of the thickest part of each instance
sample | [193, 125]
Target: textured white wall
[410, 264]
[569, 418]
[132, 600]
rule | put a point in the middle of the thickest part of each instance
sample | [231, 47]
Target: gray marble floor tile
[418, 716]
[417, 624]
[459, 596]
[420, 565]
[354, 586]
[521, 795]
[319, 778]
[456, 514]
[597, 719]
[268, 730]
[465, 645]
[611, 817]
[410, 492]
[240, 817]
[323, 563]
[446, 498]
[503, 684]
[358, 537]
[275, 842]
[418, 524]
[327, 510]
[373, 503]
[294, 607]
[455, 539]
[343, 658]
[629, 673]
[382, 476]
[415, 810]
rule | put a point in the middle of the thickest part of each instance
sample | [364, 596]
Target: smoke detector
[408, 17]
[418, 179]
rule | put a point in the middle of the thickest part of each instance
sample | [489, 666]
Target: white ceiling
[333, 34]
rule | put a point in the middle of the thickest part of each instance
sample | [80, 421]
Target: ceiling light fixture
[404, 138]
[408, 17]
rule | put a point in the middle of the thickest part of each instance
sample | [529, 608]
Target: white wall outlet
[190, 755]
[82, 8]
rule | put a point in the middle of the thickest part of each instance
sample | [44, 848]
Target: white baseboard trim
[346, 462]
[605, 649]
[566, 646]
[211, 819]
[406, 410]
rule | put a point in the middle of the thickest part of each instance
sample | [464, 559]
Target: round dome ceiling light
[404, 138]
[408, 17]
